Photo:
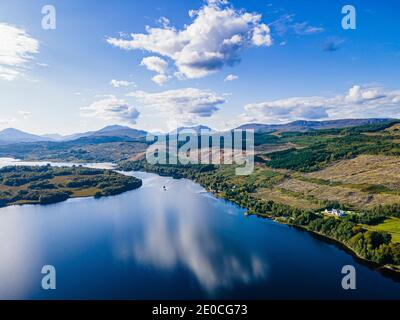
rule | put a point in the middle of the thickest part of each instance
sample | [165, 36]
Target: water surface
[179, 243]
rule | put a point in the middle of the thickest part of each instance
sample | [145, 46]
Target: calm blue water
[180, 243]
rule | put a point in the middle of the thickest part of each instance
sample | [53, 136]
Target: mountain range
[302, 125]
[11, 135]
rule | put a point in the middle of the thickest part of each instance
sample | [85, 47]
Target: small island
[45, 184]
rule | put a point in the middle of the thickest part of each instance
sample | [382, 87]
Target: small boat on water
[164, 188]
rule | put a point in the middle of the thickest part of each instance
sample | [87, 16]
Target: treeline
[371, 245]
[265, 138]
[189, 171]
[375, 127]
[377, 215]
[318, 155]
[18, 176]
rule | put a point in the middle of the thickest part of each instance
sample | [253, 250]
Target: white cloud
[41, 64]
[121, 83]
[186, 105]
[359, 94]
[8, 74]
[288, 109]
[286, 24]
[160, 79]
[358, 102]
[158, 65]
[155, 64]
[16, 49]
[24, 114]
[4, 123]
[112, 109]
[261, 35]
[304, 28]
[214, 39]
[231, 77]
[164, 22]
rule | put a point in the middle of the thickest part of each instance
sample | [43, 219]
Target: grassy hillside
[316, 150]
[390, 225]
[364, 169]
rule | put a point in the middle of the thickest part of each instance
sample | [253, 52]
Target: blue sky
[286, 60]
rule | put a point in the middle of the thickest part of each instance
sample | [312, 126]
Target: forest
[46, 184]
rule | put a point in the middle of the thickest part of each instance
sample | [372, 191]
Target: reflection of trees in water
[176, 233]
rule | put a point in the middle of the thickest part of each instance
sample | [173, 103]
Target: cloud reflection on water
[181, 234]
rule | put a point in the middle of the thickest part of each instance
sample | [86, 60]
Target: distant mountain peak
[196, 128]
[115, 127]
[114, 130]
[12, 135]
[11, 130]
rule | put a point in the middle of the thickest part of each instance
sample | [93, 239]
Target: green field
[390, 225]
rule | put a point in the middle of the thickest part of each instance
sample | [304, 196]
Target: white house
[336, 212]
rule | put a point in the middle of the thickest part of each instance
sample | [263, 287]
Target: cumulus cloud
[359, 95]
[231, 77]
[160, 79]
[16, 49]
[155, 64]
[215, 38]
[112, 109]
[158, 65]
[121, 83]
[288, 109]
[358, 102]
[186, 104]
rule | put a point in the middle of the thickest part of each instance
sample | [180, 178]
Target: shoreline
[386, 270]
[70, 198]
[373, 265]
[63, 193]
